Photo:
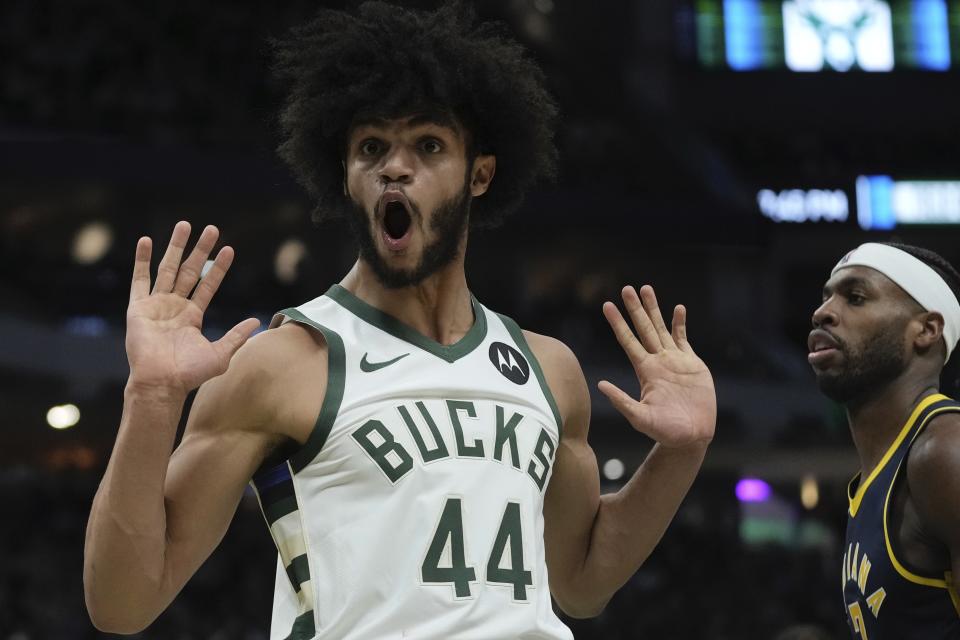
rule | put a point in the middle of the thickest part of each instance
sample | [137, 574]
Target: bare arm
[595, 543]
[933, 472]
[156, 518]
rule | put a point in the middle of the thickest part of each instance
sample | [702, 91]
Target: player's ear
[481, 175]
[931, 330]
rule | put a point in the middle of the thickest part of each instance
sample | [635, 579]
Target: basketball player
[420, 460]
[888, 323]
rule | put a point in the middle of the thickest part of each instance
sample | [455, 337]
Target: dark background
[133, 116]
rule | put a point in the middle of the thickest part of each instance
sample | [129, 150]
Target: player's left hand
[678, 403]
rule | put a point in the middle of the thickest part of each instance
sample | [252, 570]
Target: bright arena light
[205, 269]
[753, 490]
[92, 242]
[809, 492]
[288, 259]
[613, 469]
[63, 416]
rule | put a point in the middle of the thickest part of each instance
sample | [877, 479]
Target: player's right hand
[678, 402]
[165, 348]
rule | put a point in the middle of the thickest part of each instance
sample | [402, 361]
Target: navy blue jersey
[884, 599]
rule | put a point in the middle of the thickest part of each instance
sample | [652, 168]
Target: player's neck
[875, 422]
[439, 307]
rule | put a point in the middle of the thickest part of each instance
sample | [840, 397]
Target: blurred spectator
[701, 582]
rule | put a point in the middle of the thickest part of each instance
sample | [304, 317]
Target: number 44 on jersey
[449, 535]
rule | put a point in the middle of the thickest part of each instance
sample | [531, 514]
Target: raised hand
[678, 404]
[165, 348]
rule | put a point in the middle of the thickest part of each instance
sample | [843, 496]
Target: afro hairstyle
[386, 61]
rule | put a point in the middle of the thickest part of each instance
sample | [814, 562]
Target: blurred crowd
[127, 117]
[703, 581]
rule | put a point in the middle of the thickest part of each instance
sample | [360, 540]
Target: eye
[370, 147]
[855, 298]
[431, 145]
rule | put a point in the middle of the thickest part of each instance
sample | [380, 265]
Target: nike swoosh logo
[366, 366]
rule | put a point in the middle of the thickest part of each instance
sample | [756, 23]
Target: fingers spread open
[635, 412]
[649, 299]
[190, 269]
[679, 325]
[624, 334]
[641, 321]
[140, 285]
[170, 263]
[211, 282]
[234, 339]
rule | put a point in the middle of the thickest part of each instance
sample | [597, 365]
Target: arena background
[693, 158]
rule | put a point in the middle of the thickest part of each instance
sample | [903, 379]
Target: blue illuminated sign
[828, 35]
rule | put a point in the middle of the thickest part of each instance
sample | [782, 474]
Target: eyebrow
[438, 119]
[847, 283]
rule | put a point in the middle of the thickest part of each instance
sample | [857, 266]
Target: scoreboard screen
[827, 35]
[882, 203]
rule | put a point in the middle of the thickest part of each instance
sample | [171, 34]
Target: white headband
[921, 283]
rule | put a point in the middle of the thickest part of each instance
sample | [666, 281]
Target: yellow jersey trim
[903, 571]
[856, 499]
[948, 577]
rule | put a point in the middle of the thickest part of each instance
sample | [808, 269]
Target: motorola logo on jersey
[510, 363]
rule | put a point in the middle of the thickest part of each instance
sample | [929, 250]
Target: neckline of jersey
[389, 324]
[857, 497]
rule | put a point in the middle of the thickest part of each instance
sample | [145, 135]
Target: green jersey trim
[303, 628]
[336, 376]
[517, 334]
[388, 324]
[298, 571]
[280, 508]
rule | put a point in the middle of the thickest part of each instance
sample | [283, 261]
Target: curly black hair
[386, 61]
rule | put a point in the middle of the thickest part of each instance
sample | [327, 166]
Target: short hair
[386, 61]
[950, 375]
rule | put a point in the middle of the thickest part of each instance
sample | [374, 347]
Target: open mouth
[396, 219]
[821, 340]
[823, 347]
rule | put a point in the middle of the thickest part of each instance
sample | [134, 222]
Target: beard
[448, 224]
[867, 369]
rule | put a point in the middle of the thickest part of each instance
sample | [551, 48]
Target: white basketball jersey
[415, 509]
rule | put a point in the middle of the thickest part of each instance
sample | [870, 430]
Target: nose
[825, 314]
[397, 166]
